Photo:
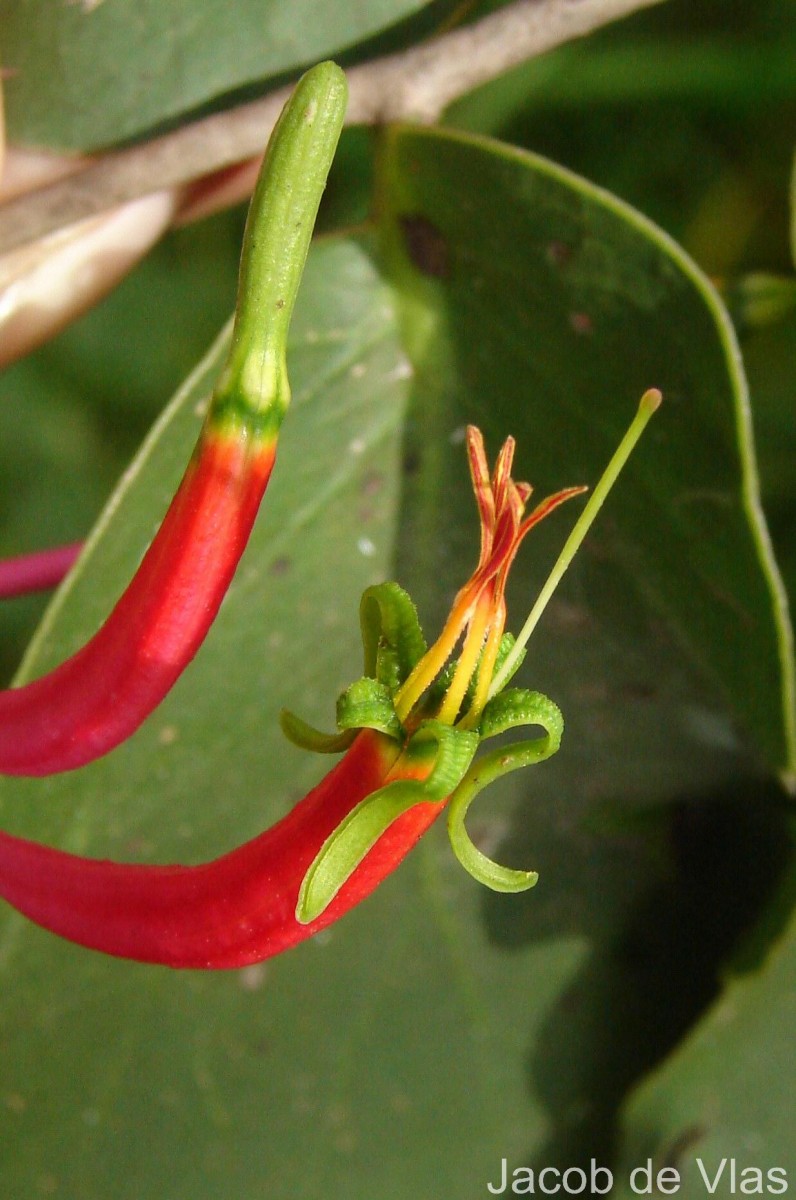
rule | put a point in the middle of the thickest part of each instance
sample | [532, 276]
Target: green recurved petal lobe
[453, 751]
[391, 635]
[300, 733]
[518, 706]
[506, 711]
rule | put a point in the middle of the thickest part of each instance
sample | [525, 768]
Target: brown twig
[416, 84]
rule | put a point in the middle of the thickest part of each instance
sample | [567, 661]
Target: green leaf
[83, 75]
[770, 358]
[760, 299]
[726, 1093]
[213, 768]
[554, 296]
[665, 109]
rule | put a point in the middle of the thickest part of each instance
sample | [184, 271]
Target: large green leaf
[82, 75]
[555, 306]
[665, 109]
[289, 620]
[727, 1094]
[438, 1028]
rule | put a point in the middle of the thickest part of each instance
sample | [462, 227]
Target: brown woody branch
[415, 84]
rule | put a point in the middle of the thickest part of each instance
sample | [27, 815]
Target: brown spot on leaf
[581, 322]
[372, 483]
[426, 246]
[411, 463]
[558, 253]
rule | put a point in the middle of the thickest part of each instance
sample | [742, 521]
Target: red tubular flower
[238, 909]
[242, 907]
[97, 698]
[38, 571]
[412, 727]
[100, 695]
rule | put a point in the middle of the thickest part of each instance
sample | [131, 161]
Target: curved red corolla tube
[97, 698]
[238, 909]
[100, 695]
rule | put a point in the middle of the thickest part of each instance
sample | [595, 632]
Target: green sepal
[308, 738]
[505, 711]
[392, 639]
[345, 848]
[368, 704]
